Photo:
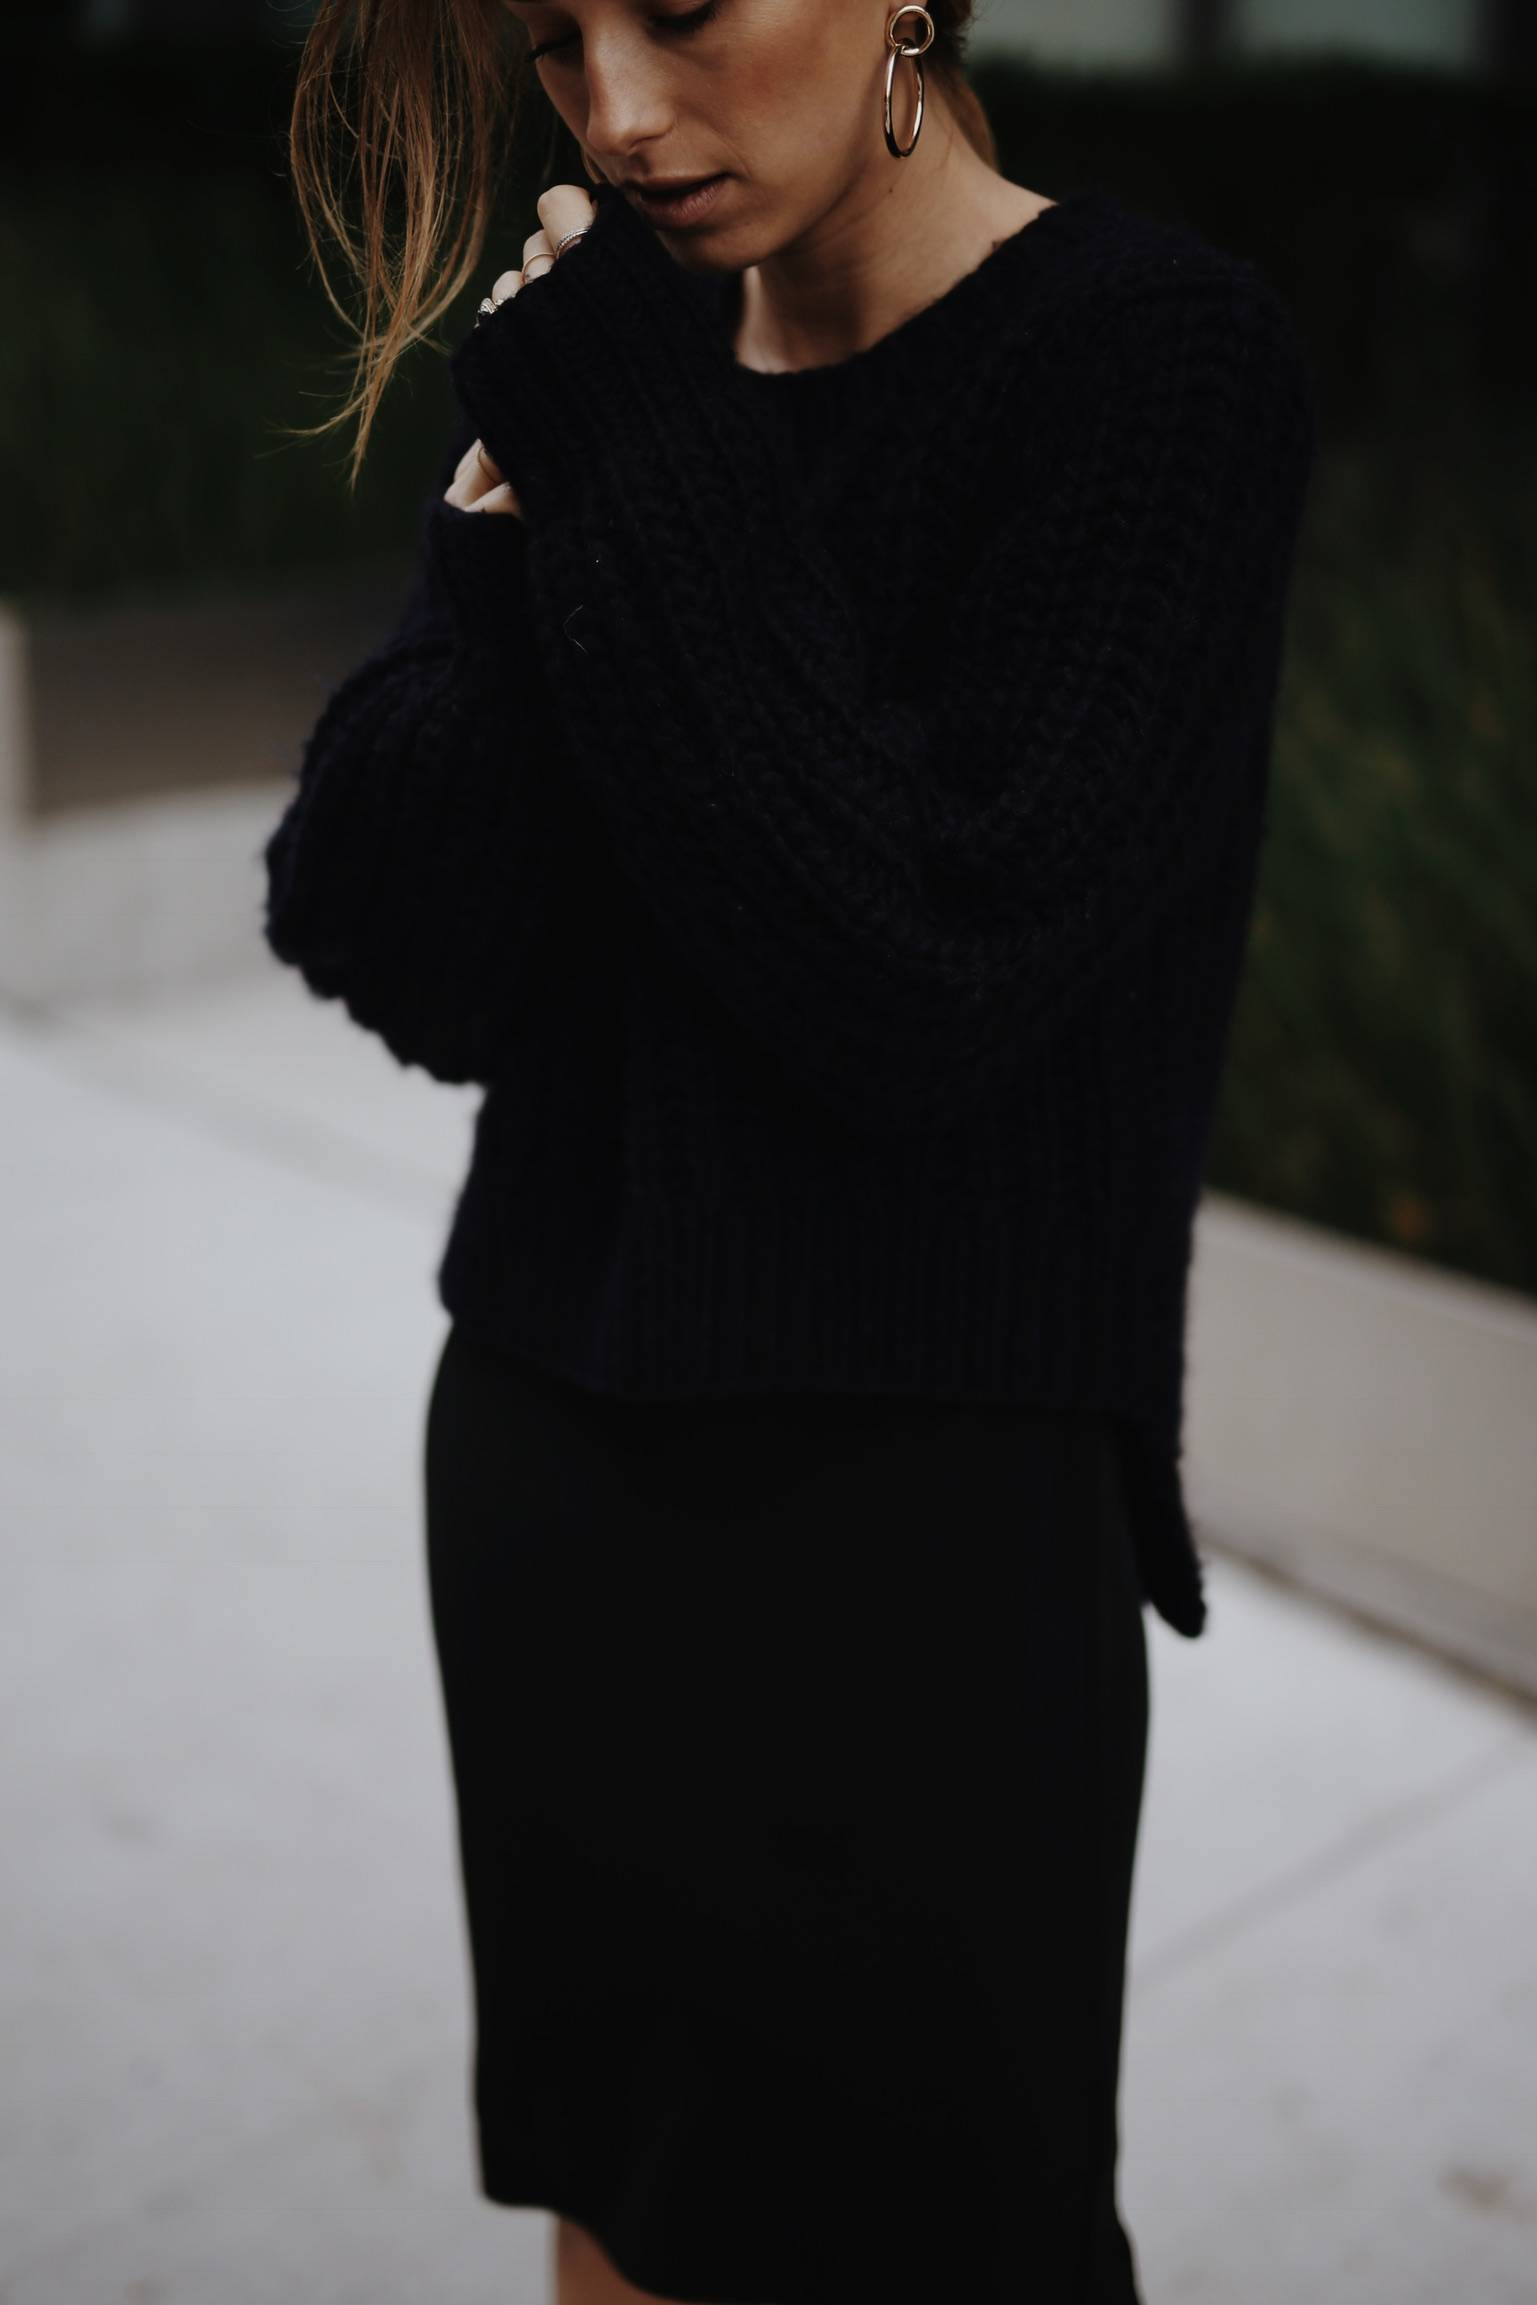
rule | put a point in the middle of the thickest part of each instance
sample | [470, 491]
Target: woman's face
[783, 97]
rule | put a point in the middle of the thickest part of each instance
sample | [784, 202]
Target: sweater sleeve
[894, 885]
[422, 861]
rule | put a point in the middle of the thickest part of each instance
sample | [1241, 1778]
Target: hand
[478, 484]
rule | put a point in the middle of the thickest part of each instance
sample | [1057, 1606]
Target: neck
[901, 234]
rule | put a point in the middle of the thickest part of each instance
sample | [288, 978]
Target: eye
[694, 21]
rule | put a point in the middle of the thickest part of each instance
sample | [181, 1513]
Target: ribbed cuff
[478, 562]
[614, 358]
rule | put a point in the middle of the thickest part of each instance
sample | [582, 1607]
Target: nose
[627, 105]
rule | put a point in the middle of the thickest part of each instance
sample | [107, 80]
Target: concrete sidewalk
[235, 1993]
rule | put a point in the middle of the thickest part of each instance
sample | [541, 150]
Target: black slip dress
[798, 1745]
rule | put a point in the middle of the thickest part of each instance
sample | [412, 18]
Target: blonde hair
[410, 110]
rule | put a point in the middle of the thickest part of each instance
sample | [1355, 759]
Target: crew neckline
[1026, 243]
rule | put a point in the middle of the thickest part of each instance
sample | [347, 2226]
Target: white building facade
[1448, 34]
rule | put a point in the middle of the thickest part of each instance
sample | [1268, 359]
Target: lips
[700, 189]
[681, 211]
[674, 189]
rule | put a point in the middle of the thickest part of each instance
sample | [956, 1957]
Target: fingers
[476, 475]
[538, 256]
[461, 490]
[564, 208]
[478, 485]
[500, 499]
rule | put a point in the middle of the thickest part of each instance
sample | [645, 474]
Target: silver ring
[487, 305]
[580, 234]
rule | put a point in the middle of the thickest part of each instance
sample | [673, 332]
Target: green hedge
[174, 328]
[1381, 1075]
[143, 445]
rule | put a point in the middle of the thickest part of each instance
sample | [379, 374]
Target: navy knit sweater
[827, 824]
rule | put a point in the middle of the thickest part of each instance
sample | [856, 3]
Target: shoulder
[1163, 285]
[1112, 251]
[1148, 305]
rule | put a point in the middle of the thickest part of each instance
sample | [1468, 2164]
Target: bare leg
[585, 2274]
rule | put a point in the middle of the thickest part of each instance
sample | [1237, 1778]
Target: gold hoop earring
[896, 47]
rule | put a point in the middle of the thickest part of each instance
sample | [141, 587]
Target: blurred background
[234, 1996]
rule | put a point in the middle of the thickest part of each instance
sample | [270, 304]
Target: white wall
[1437, 32]
[1138, 33]
[1098, 32]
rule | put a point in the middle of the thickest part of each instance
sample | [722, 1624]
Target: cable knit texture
[827, 824]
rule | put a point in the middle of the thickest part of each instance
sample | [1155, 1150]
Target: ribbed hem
[965, 1299]
[478, 559]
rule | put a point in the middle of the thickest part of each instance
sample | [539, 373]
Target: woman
[816, 789]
